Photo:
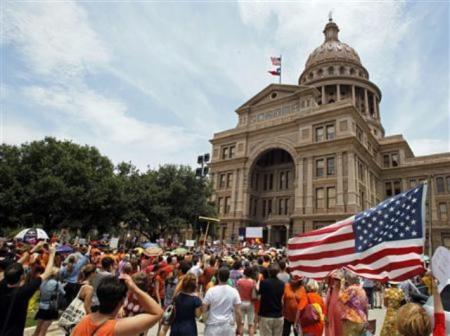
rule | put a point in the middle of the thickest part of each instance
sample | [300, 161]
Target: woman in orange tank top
[111, 294]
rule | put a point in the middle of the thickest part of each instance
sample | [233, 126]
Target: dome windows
[331, 70]
[352, 71]
[342, 70]
[320, 72]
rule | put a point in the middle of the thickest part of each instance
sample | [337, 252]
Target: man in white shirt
[224, 304]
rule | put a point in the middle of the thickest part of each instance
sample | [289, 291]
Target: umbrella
[180, 251]
[31, 235]
[153, 251]
[64, 249]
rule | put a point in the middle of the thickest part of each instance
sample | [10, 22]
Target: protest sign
[114, 243]
[254, 232]
[440, 266]
[190, 243]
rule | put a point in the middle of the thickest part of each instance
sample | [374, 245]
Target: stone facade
[304, 156]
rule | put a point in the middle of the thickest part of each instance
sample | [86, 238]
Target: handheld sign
[440, 266]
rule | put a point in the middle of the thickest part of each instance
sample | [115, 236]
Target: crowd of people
[93, 290]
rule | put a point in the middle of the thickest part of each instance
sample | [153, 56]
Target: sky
[151, 82]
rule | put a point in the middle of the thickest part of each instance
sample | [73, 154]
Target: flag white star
[414, 233]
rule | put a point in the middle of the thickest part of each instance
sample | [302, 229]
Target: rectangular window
[443, 212]
[222, 181]
[264, 202]
[280, 206]
[269, 207]
[232, 151]
[440, 187]
[220, 205]
[319, 167]
[255, 207]
[394, 159]
[265, 182]
[362, 199]
[229, 180]
[331, 134]
[448, 184]
[320, 202]
[319, 134]
[360, 171]
[287, 180]
[388, 189]
[386, 161]
[330, 166]
[331, 197]
[227, 205]
[271, 182]
[281, 181]
[225, 152]
[397, 188]
[286, 206]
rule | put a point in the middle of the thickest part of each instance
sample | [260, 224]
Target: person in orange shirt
[315, 299]
[294, 300]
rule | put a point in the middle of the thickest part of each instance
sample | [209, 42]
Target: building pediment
[271, 94]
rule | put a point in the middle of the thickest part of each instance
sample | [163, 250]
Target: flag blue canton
[396, 218]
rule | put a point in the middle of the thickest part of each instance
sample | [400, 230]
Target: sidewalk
[377, 314]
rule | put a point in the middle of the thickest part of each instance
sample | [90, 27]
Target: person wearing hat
[333, 320]
[393, 299]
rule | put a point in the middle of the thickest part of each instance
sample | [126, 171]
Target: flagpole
[279, 79]
[430, 215]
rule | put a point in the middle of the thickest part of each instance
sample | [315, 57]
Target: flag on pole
[383, 243]
[276, 61]
[276, 72]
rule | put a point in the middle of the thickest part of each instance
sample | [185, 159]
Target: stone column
[338, 92]
[309, 186]
[238, 191]
[323, 95]
[299, 187]
[269, 233]
[351, 183]
[353, 95]
[234, 192]
[340, 184]
[368, 190]
[375, 110]
[366, 99]
[287, 233]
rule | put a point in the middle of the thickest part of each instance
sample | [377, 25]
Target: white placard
[114, 243]
[190, 243]
[254, 232]
[440, 266]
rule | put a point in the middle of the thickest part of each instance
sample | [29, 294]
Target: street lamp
[203, 170]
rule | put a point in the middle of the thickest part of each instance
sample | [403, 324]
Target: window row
[268, 180]
[324, 132]
[228, 152]
[280, 206]
[224, 205]
[443, 184]
[325, 198]
[392, 188]
[331, 71]
[225, 180]
[443, 212]
[325, 167]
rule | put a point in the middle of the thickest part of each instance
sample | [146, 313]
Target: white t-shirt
[221, 300]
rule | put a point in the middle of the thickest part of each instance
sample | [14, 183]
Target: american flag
[383, 243]
[276, 61]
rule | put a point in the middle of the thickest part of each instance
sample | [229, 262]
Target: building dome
[332, 58]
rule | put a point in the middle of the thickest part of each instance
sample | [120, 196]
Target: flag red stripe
[320, 255]
[324, 230]
[332, 239]
[389, 267]
[366, 261]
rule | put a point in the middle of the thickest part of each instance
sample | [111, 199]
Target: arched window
[342, 70]
[331, 70]
[320, 72]
[352, 71]
[311, 75]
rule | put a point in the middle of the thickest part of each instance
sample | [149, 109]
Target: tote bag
[73, 313]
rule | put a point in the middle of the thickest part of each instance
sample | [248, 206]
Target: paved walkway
[377, 314]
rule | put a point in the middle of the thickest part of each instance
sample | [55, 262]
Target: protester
[333, 320]
[283, 275]
[221, 302]
[393, 300]
[188, 306]
[314, 298]
[271, 308]
[355, 306]
[294, 300]
[111, 293]
[86, 293]
[368, 286]
[246, 287]
[50, 290]
[14, 295]
[412, 319]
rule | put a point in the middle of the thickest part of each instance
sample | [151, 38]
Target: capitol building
[304, 156]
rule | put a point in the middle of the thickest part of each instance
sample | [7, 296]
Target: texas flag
[276, 72]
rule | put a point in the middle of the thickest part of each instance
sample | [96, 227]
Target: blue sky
[150, 82]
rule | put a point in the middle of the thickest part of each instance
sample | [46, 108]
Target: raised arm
[49, 268]
[142, 322]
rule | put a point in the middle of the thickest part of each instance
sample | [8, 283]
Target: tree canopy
[59, 184]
